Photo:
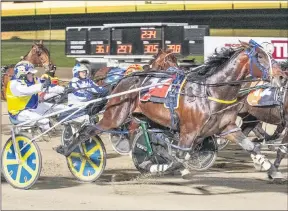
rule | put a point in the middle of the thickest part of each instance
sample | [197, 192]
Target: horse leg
[277, 133]
[182, 154]
[250, 123]
[3, 91]
[282, 150]
[254, 150]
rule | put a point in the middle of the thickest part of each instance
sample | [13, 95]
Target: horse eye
[260, 56]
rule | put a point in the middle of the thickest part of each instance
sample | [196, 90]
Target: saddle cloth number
[157, 91]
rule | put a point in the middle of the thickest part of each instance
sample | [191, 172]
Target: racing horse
[38, 55]
[276, 114]
[207, 104]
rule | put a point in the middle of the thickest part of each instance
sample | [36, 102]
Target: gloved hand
[46, 83]
[41, 96]
[53, 67]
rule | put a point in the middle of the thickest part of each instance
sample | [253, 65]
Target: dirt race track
[232, 183]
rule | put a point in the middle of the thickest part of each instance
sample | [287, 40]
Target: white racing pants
[41, 110]
[83, 118]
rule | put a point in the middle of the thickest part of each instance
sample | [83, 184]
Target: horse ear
[41, 42]
[245, 44]
[169, 51]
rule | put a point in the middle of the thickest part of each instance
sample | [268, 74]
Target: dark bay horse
[38, 56]
[207, 107]
[274, 114]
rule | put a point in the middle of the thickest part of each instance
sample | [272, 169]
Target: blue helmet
[22, 68]
[79, 68]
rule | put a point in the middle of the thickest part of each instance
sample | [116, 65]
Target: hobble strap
[228, 132]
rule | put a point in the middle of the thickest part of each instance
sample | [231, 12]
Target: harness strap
[228, 132]
[222, 101]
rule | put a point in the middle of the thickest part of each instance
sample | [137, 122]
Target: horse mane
[214, 63]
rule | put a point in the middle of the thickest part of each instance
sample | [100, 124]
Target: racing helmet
[79, 68]
[22, 68]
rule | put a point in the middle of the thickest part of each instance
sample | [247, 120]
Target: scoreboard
[136, 39]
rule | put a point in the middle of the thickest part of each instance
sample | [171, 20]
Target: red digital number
[102, 49]
[148, 34]
[124, 49]
[174, 48]
[151, 48]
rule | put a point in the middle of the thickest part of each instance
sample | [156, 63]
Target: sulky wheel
[140, 154]
[87, 162]
[120, 143]
[22, 174]
[204, 154]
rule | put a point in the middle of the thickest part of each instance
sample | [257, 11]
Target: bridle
[253, 57]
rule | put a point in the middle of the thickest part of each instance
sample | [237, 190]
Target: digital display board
[118, 40]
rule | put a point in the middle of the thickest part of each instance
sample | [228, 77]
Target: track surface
[231, 184]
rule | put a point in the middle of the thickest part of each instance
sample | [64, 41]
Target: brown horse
[207, 105]
[274, 114]
[38, 55]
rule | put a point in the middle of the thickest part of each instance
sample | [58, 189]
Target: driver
[22, 96]
[83, 88]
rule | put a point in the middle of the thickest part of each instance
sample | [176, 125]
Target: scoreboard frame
[148, 39]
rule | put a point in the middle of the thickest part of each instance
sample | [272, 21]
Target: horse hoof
[277, 178]
[279, 181]
[186, 174]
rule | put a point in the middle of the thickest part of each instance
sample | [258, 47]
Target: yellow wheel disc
[25, 173]
[88, 167]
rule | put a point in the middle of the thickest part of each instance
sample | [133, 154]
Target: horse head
[260, 64]
[39, 55]
[163, 60]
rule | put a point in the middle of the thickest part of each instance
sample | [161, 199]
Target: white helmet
[79, 68]
[22, 68]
